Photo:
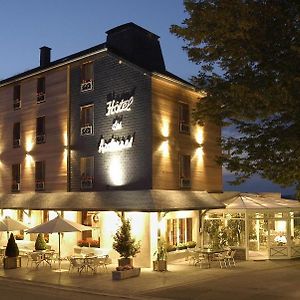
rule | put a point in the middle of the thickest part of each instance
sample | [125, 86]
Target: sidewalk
[179, 274]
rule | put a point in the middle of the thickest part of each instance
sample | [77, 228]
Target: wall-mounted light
[164, 148]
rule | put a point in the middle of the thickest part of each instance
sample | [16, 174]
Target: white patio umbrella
[58, 225]
[8, 224]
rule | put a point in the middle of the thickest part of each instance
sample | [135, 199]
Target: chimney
[45, 56]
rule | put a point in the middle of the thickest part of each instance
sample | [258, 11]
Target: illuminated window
[87, 77]
[16, 177]
[46, 219]
[41, 89]
[17, 97]
[185, 171]
[16, 135]
[40, 130]
[179, 231]
[184, 118]
[20, 217]
[87, 120]
[40, 175]
[87, 172]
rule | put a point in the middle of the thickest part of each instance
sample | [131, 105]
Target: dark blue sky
[69, 26]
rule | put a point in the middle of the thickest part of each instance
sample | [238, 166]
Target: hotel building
[107, 130]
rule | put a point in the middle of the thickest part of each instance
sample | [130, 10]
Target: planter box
[12, 262]
[125, 262]
[119, 275]
[160, 265]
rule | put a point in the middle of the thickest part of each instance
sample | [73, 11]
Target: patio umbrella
[8, 224]
[58, 225]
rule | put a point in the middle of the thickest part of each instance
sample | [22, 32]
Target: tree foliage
[248, 57]
[123, 243]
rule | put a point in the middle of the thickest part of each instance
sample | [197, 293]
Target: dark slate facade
[128, 169]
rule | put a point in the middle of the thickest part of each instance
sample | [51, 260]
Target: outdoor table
[86, 262]
[209, 253]
[46, 256]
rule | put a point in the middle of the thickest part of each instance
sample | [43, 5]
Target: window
[87, 120]
[17, 97]
[46, 219]
[87, 77]
[39, 175]
[179, 231]
[184, 118]
[41, 89]
[185, 171]
[16, 135]
[87, 217]
[40, 130]
[87, 172]
[16, 176]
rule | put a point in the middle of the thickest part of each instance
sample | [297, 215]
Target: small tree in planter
[40, 243]
[124, 244]
[160, 264]
[11, 259]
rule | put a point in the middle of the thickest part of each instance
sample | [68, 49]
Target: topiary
[12, 249]
[40, 243]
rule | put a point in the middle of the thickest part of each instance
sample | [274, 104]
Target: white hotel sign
[115, 143]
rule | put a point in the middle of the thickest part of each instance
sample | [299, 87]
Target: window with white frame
[179, 231]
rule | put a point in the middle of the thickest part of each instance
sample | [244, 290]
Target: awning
[141, 200]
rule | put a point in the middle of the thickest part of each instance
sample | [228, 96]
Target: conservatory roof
[260, 202]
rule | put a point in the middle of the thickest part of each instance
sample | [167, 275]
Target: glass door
[258, 239]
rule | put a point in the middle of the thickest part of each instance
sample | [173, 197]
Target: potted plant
[40, 243]
[11, 259]
[160, 264]
[124, 244]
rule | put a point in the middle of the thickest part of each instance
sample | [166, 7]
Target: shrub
[191, 244]
[181, 246]
[171, 248]
[40, 243]
[12, 249]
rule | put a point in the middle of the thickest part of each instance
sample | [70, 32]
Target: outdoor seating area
[204, 257]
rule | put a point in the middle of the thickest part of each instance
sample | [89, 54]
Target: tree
[248, 55]
[123, 243]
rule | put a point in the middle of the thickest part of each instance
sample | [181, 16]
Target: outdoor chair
[34, 258]
[230, 257]
[76, 263]
[102, 261]
[221, 258]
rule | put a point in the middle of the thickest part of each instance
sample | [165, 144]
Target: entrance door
[258, 239]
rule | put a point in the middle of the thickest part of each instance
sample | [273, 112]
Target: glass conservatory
[259, 226]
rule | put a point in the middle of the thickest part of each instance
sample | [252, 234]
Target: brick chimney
[45, 56]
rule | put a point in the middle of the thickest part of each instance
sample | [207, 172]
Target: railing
[86, 85]
[86, 130]
[16, 143]
[41, 97]
[87, 184]
[185, 183]
[41, 139]
[184, 127]
[15, 187]
[39, 185]
[17, 104]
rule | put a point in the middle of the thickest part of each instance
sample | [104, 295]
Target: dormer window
[87, 77]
